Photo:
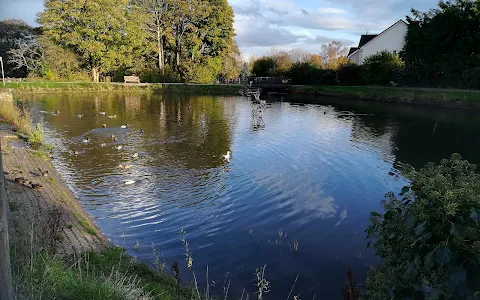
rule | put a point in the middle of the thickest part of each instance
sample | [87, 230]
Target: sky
[263, 26]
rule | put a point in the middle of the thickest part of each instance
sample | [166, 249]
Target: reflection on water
[307, 174]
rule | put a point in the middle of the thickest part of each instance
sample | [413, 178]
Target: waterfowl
[20, 180]
[115, 139]
[227, 156]
[75, 153]
[103, 113]
[112, 117]
[104, 125]
[135, 155]
[57, 112]
[124, 126]
[141, 131]
[44, 173]
[35, 186]
[129, 182]
[80, 116]
[188, 107]
[324, 112]
[112, 136]
[119, 147]
[86, 140]
[124, 166]
[103, 145]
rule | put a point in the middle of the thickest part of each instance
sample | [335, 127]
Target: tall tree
[156, 22]
[332, 54]
[104, 33]
[12, 34]
[442, 46]
[232, 63]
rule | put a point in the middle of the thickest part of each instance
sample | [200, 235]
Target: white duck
[124, 126]
[80, 116]
[119, 147]
[227, 156]
[129, 182]
[86, 140]
[103, 113]
[135, 155]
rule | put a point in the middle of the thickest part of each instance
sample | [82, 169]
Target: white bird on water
[129, 182]
[119, 147]
[227, 156]
[86, 140]
[80, 116]
[135, 155]
[124, 126]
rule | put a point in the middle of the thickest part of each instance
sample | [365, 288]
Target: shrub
[350, 74]
[428, 239]
[382, 68]
[472, 78]
[156, 76]
[16, 115]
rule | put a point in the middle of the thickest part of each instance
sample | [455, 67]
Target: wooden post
[6, 288]
[3, 73]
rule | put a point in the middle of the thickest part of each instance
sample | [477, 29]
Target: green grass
[442, 97]
[83, 221]
[110, 274]
[61, 87]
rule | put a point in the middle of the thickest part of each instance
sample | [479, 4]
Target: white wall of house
[392, 40]
[357, 57]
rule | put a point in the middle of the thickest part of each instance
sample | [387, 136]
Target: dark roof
[353, 49]
[365, 38]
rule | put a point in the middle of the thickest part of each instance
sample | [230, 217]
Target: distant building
[391, 39]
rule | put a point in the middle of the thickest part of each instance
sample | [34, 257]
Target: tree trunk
[95, 74]
[160, 49]
[162, 53]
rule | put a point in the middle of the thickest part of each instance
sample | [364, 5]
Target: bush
[156, 76]
[350, 74]
[383, 68]
[429, 238]
[472, 78]
[16, 115]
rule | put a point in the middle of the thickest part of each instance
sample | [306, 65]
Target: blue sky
[263, 26]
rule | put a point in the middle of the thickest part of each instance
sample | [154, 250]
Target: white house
[391, 39]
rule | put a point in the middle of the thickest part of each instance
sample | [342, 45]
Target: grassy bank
[62, 87]
[440, 97]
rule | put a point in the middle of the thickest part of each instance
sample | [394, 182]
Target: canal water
[295, 196]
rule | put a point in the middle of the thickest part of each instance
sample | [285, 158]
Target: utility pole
[3, 73]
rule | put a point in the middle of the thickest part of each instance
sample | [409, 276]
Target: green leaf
[457, 230]
[405, 190]
[443, 255]
[420, 229]
[417, 261]
[457, 277]
[429, 259]
[410, 221]
[475, 215]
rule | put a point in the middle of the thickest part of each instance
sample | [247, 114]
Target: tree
[232, 63]
[264, 66]
[333, 55]
[26, 54]
[12, 33]
[442, 44]
[156, 22]
[428, 238]
[105, 34]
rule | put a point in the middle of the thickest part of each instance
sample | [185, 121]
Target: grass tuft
[16, 115]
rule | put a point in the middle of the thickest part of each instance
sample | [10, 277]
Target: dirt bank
[51, 206]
